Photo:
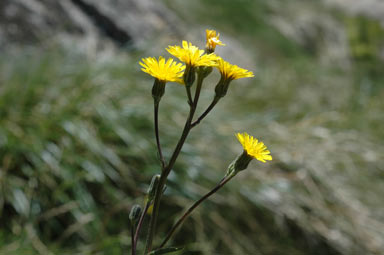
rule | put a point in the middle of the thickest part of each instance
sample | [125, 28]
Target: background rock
[91, 23]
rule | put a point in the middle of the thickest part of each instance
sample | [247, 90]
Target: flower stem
[200, 79]
[196, 204]
[133, 240]
[138, 228]
[163, 180]
[189, 95]
[155, 212]
[168, 168]
[156, 122]
[205, 113]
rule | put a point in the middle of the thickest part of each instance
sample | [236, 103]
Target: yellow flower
[228, 73]
[212, 40]
[253, 147]
[232, 72]
[163, 70]
[192, 56]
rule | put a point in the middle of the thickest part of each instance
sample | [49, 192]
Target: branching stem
[196, 204]
[168, 168]
[205, 113]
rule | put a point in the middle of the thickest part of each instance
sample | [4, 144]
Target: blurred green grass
[69, 149]
[77, 149]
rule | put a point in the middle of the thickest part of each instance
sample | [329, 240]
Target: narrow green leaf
[168, 251]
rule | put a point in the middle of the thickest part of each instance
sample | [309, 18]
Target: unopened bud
[153, 187]
[135, 212]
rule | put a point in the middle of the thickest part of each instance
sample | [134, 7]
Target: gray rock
[93, 23]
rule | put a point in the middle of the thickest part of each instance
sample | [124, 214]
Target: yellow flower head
[232, 72]
[192, 56]
[212, 40]
[253, 147]
[163, 70]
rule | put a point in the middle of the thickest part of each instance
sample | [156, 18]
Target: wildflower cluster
[196, 63]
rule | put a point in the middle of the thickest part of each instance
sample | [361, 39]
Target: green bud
[153, 187]
[135, 212]
[189, 76]
[222, 87]
[158, 90]
[239, 164]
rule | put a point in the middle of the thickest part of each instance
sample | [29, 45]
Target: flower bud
[150, 198]
[158, 90]
[150, 209]
[153, 187]
[135, 212]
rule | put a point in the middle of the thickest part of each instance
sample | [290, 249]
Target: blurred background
[77, 148]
